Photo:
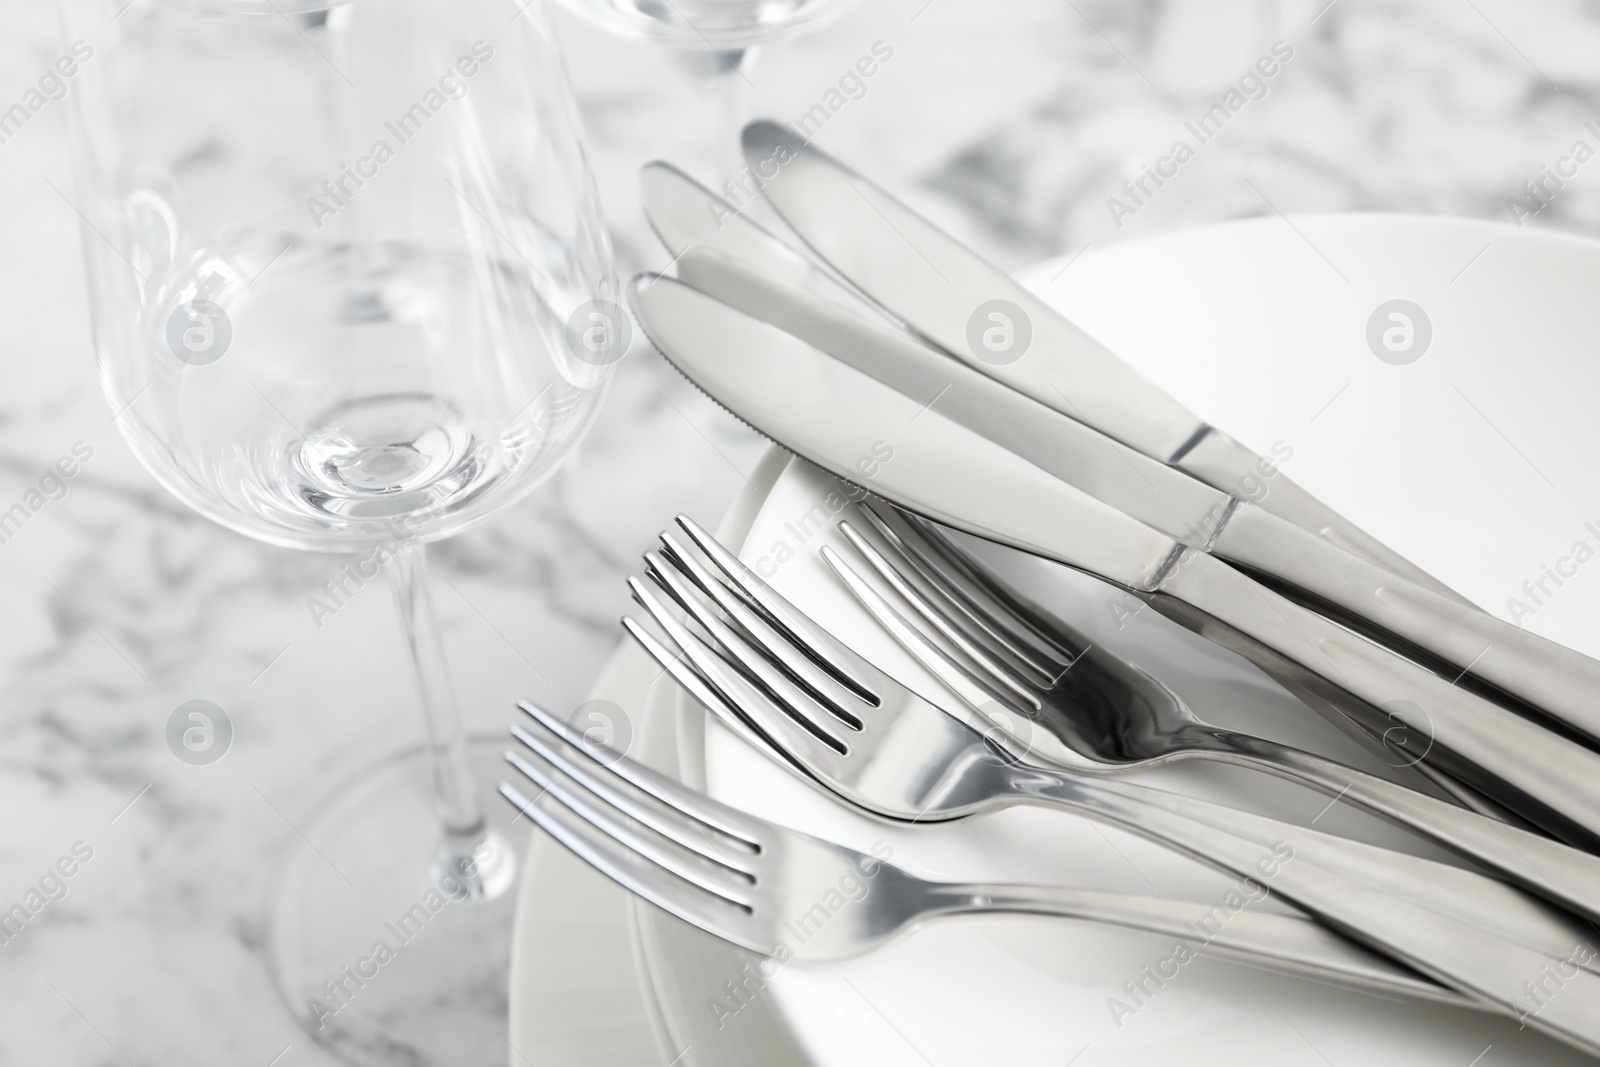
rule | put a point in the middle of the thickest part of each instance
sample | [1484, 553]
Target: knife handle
[1223, 463]
[1545, 777]
[1548, 677]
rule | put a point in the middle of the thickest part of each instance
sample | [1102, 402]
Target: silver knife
[683, 213]
[1547, 676]
[870, 434]
[974, 311]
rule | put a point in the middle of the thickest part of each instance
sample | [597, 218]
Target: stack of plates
[1263, 328]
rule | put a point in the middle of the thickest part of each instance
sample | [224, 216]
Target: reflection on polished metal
[832, 414]
[1110, 712]
[788, 895]
[900, 757]
[933, 283]
[747, 268]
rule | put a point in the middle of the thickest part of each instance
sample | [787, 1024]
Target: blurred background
[1011, 122]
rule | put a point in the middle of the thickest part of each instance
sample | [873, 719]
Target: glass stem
[735, 95]
[454, 790]
[726, 95]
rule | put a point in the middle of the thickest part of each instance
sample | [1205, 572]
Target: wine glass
[351, 291]
[719, 39]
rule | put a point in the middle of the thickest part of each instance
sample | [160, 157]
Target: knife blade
[1158, 495]
[873, 436]
[683, 213]
[983, 317]
[869, 434]
[1549, 678]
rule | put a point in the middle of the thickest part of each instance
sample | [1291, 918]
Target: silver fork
[788, 895]
[787, 685]
[1110, 712]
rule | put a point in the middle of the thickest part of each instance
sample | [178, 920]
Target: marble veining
[1013, 122]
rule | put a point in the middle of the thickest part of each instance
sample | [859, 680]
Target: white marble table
[1012, 121]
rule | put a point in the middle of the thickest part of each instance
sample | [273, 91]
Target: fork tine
[672, 824]
[743, 703]
[686, 864]
[1024, 622]
[779, 644]
[728, 677]
[959, 635]
[932, 555]
[709, 912]
[973, 692]
[687, 676]
[726, 820]
[822, 646]
[798, 699]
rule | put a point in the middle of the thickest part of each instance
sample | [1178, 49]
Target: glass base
[390, 940]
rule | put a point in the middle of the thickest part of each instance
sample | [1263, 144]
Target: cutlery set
[1055, 447]
[748, 880]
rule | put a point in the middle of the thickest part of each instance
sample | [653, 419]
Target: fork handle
[1480, 937]
[1559, 873]
[1414, 619]
[1548, 779]
[1290, 943]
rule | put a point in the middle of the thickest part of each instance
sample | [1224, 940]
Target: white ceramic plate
[1471, 459]
[589, 986]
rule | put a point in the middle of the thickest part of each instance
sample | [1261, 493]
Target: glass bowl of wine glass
[351, 291]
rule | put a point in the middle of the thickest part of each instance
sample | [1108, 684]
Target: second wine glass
[719, 41]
